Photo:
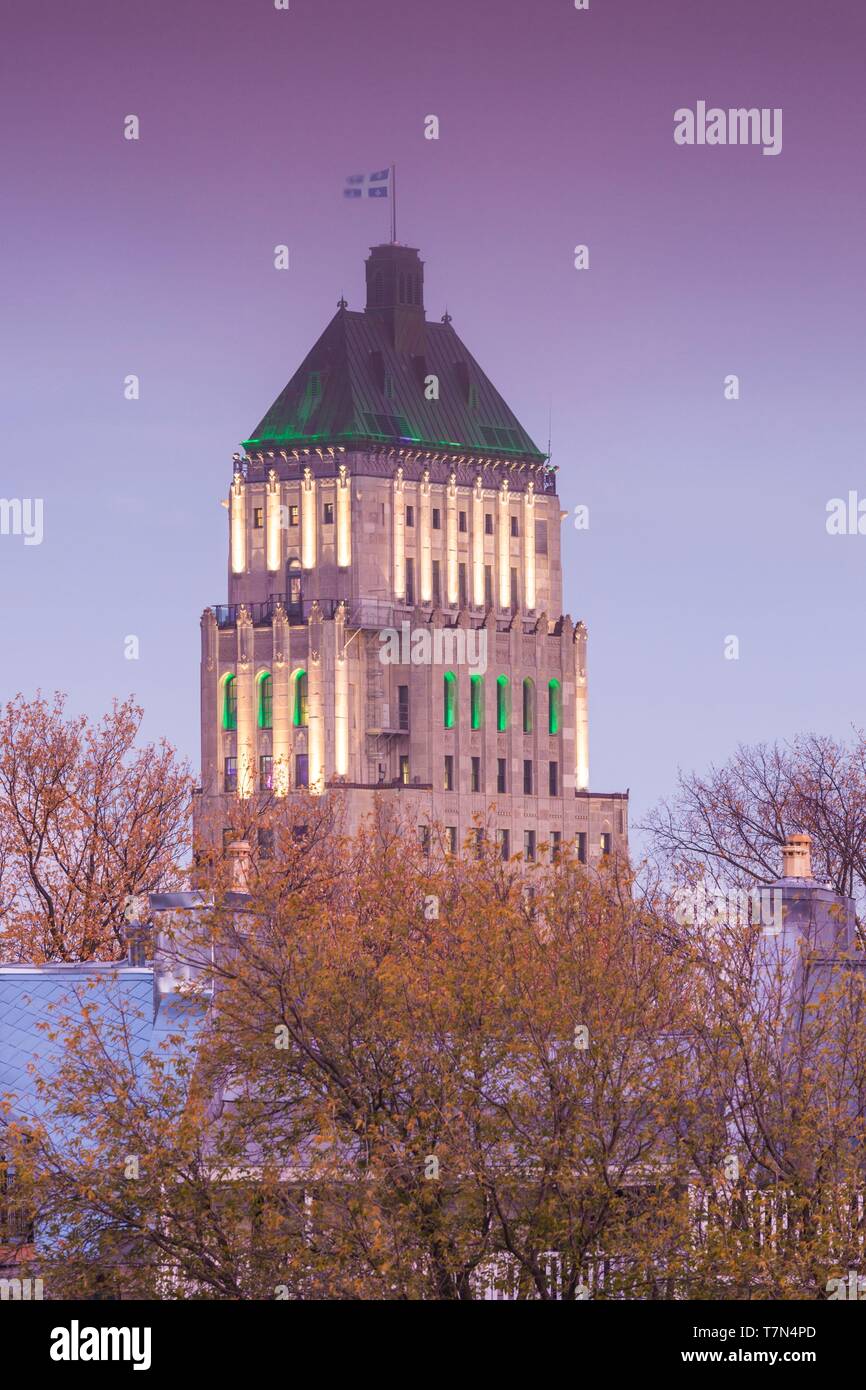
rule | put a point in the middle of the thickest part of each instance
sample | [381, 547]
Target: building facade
[394, 623]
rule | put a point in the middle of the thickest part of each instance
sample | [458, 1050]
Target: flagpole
[393, 204]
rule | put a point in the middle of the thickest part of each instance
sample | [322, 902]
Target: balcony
[298, 614]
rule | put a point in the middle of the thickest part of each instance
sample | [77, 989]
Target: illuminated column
[272, 516]
[581, 710]
[344, 519]
[425, 533]
[308, 520]
[478, 544]
[281, 715]
[529, 547]
[246, 689]
[341, 694]
[399, 537]
[451, 540]
[211, 701]
[315, 711]
[504, 530]
[238, 522]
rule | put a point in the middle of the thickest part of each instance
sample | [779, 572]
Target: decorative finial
[446, 317]
[342, 303]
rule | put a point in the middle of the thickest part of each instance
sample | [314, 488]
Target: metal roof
[32, 996]
[354, 387]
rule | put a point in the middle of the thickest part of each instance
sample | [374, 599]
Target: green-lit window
[449, 699]
[476, 693]
[502, 702]
[266, 701]
[230, 703]
[300, 712]
[554, 706]
[528, 705]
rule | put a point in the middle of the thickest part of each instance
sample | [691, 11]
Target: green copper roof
[355, 388]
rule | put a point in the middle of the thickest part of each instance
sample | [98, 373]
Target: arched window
[300, 711]
[266, 699]
[476, 700]
[230, 702]
[554, 706]
[449, 699]
[294, 587]
[528, 705]
[502, 702]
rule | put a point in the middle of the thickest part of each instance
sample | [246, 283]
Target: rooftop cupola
[395, 294]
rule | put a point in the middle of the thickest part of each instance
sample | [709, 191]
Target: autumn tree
[776, 1124]
[729, 824]
[86, 819]
[423, 1076]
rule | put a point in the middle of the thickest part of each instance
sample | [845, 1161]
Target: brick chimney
[797, 857]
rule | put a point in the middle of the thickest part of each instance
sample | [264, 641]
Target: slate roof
[356, 390]
[31, 995]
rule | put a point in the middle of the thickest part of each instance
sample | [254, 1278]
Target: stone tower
[394, 622]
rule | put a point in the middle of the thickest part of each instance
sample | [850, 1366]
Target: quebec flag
[368, 185]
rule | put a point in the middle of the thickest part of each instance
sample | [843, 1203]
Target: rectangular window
[404, 769]
[448, 781]
[478, 833]
[230, 775]
[328, 513]
[488, 586]
[266, 773]
[403, 707]
[302, 770]
[424, 838]
[461, 521]
[555, 845]
[529, 846]
[410, 583]
[476, 774]
[488, 523]
[515, 526]
[581, 846]
[410, 516]
[293, 514]
[451, 839]
[541, 537]
[437, 519]
[501, 776]
[527, 777]
[503, 839]
[553, 779]
[258, 518]
[437, 584]
[461, 586]
[514, 595]
[606, 840]
[265, 842]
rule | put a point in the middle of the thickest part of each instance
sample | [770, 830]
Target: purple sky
[156, 258]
